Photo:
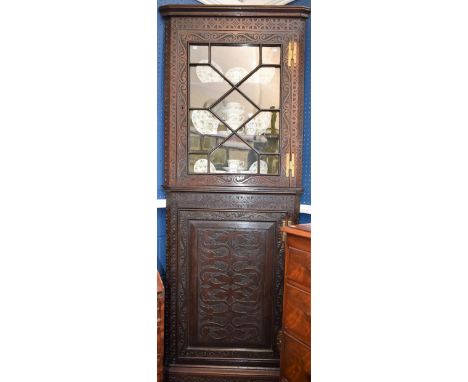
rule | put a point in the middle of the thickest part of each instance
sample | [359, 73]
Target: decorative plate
[259, 124]
[236, 74]
[205, 122]
[263, 167]
[201, 166]
[233, 114]
[206, 74]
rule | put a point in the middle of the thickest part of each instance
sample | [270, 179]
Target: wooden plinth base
[196, 373]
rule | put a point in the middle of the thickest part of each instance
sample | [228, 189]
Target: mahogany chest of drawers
[295, 344]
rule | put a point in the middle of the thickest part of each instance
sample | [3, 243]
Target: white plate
[201, 166]
[236, 74]
[205, 122]
[260, 123]
[263, 167]
[206, 74]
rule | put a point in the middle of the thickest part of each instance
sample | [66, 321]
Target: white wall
[389, 190]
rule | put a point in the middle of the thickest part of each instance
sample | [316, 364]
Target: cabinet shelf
[262, 138]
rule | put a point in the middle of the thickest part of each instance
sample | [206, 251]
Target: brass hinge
[290, 165]
[292, 53]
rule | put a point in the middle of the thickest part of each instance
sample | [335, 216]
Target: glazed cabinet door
[235, 110]
[229, 276]
[236, 118]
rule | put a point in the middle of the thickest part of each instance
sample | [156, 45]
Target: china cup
[235, 165]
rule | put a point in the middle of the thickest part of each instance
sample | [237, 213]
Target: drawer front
[295, 361]
[298, 261]
[297, 313]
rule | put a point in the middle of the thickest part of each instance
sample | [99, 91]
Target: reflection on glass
[198, 53]
[228, 57]
[263, 88]
[272, 162]
[233, 156]
[204, 94]
[233, 109]
[271, 55]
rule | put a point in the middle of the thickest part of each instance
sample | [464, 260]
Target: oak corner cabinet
[233, 115]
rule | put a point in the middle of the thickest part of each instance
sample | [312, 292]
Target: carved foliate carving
[231, 279]
[239, 201]
[271, 255]
[250, 24]
[184, 207]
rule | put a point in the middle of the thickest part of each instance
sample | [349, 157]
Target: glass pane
[263, 88]
[236, 61]
[234, 109]
[206, 131]
[262, 132]
[233, 156]
[271, 55]
[270, 164]
[265, 144]
[206, 86]
[198, 164]
[198, 53]
[203, 143]
[220, 110]
[204, 122]
[265, 122]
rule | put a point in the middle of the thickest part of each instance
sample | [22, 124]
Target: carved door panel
[236, 103]
[230, 277]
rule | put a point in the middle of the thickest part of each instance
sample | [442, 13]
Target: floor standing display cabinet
[233, 151]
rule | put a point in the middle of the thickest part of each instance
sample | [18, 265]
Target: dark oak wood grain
[219, 28]
[225, 258]
[234, 11]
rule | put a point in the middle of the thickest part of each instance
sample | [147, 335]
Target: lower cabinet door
[229, 280]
